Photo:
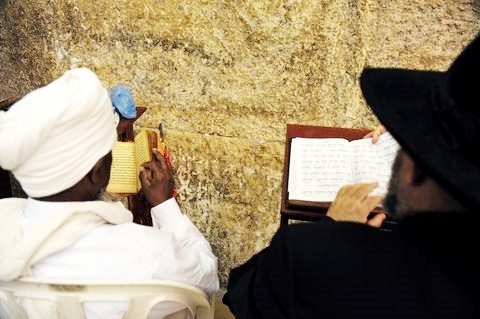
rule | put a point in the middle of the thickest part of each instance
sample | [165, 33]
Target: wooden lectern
[307, 210]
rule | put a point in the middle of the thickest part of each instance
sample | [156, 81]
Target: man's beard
[391, 199]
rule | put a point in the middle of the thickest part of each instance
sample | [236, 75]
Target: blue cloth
[122, 101]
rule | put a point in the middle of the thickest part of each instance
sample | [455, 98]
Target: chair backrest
[68, 296]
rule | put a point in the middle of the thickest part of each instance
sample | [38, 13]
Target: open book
[319, 167]
[128, 158]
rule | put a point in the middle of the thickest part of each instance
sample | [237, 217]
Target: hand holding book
[128, 158]
[157, 179]
[354, 202]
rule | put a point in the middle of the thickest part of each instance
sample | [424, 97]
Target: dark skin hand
[157, 180]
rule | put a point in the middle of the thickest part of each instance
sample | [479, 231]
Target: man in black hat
[427, 266]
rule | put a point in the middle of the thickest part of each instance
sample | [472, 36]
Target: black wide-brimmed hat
[435, 117]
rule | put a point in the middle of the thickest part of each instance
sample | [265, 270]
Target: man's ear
[96, 174]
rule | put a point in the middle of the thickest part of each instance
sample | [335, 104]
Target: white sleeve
[189, 257]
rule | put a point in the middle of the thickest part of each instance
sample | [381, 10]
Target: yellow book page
[143, 152]
[123, 175]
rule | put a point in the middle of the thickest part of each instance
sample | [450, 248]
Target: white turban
[52, 137]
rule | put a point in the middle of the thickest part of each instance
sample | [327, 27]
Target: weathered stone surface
[224, 78]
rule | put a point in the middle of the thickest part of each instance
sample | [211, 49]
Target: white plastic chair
[68, 296]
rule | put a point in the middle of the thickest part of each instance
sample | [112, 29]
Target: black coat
[425, 268]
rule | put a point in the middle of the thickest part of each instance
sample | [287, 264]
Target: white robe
[172, 249]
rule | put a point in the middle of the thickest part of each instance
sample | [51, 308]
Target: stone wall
[225, 77]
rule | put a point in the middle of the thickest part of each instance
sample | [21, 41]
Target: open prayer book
[129, 156]
[319, 167]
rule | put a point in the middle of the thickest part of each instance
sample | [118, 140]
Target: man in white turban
[57, 142]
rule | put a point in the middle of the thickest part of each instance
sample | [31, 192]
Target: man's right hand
[157, 180]
[353, 204]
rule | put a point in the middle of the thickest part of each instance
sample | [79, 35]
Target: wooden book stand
[307, 210]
